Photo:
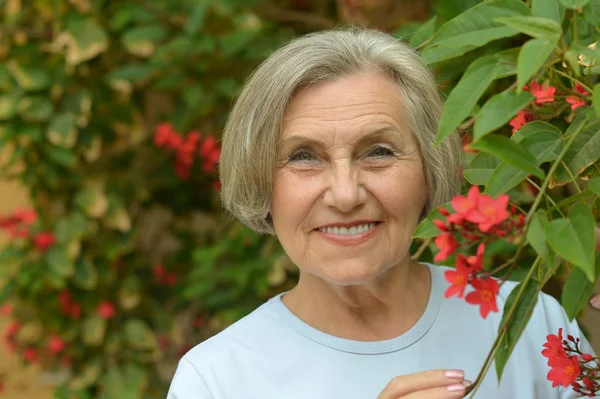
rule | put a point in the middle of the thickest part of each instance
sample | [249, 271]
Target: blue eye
[301, 155]
[380, 151]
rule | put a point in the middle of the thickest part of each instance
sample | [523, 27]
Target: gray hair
[248, 159]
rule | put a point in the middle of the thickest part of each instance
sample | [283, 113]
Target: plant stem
[579, 82]
[502, 331]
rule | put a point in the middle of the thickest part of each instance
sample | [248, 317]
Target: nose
[344, 191]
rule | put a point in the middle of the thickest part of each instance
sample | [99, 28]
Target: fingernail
[455, 374]
[595, 300]
[467, 383]
[456, 387]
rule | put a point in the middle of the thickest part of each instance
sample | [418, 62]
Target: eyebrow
[371, 136]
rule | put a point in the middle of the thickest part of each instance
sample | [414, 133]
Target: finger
[453, 391]
[595, 301]
[406, 384]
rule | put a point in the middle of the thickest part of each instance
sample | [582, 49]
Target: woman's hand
[430, 384]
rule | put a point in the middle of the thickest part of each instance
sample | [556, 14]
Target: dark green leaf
[596, 98]
[426, 229]
[536, 237]
[594, 185]
[577, 291]
[510, 152]
[424, 32]
[138, 334]
[540, 28]
[584, 151]
[481, 169]
[58, 262]
[574, 4]
[541, 139]
[463, 98]
[35, 109]
[196, 20]
[503, 178]
[518, 322]
[532, 56]
[62, 130]
[86, 275]
[88, 39]
[547, 9]
[30, 77]
[573, 238]
[499, 110]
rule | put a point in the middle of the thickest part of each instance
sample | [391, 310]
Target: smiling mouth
[348, 231]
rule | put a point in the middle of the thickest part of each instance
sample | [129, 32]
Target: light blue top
[272, 354]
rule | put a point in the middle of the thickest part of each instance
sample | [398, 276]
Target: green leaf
[7, 289]
[532, 56]
[510, 152]
[596, 98]
[60, 156]
[499, 110]
[138, 334]
[584, 151]
[426, 229]
[573, 238]
[577, 291]
[540, 28]
[29, 77]
[85, 40]
[424, 32]
[58, 262]
[93, 330]
[536, 237]
[574, 4]
[547, 9]
[35, 109]
[477, 78]
[481, 168]
[197, 17]
[141, 41]
[62, 131]
[594, 185]
[8, 106]
[520, 318]
[86, 275]
[541, 139]
[474, 27]
[591, 12]
[130, 293]
[503, 178]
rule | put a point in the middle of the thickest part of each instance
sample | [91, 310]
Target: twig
[421, 249]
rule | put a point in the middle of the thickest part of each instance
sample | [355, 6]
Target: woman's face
[349, 187]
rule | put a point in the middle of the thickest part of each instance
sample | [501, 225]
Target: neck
[383, 309]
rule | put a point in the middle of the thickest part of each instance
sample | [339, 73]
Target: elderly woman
[330, 147]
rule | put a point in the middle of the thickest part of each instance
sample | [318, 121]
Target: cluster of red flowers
[18, 225]
[545, 94]
[569, 366]
[166, 137]
[67, 306]
[162, 277]
[478, 218]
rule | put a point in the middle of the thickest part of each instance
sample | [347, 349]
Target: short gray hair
[248, 159]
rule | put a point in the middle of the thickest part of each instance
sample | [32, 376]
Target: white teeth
[354, 230]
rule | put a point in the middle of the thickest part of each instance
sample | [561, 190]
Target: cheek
[292, 200]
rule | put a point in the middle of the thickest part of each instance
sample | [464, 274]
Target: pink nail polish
[455, 374]
[456, 387]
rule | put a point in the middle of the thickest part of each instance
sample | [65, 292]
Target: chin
[350, 273]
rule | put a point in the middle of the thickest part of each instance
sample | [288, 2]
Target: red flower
[441, 226]
[210, 151]
[564, 370]
[106, 310]
[575, 102]
[521, 119]
[587, 357]
[484, 295]
[74, 310]
[476, 262]
[27, 216]
[447, 245]
[170, 279]
[217, 185]
[159, 272]
[489, 212]
[543, 94]
[56, 344]
[30, 355]
[554, 346]
[581, 89]
[199, 322]
[464, 205]
[163, 135]
[43, 241]
[6, 310]
[459, 278]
